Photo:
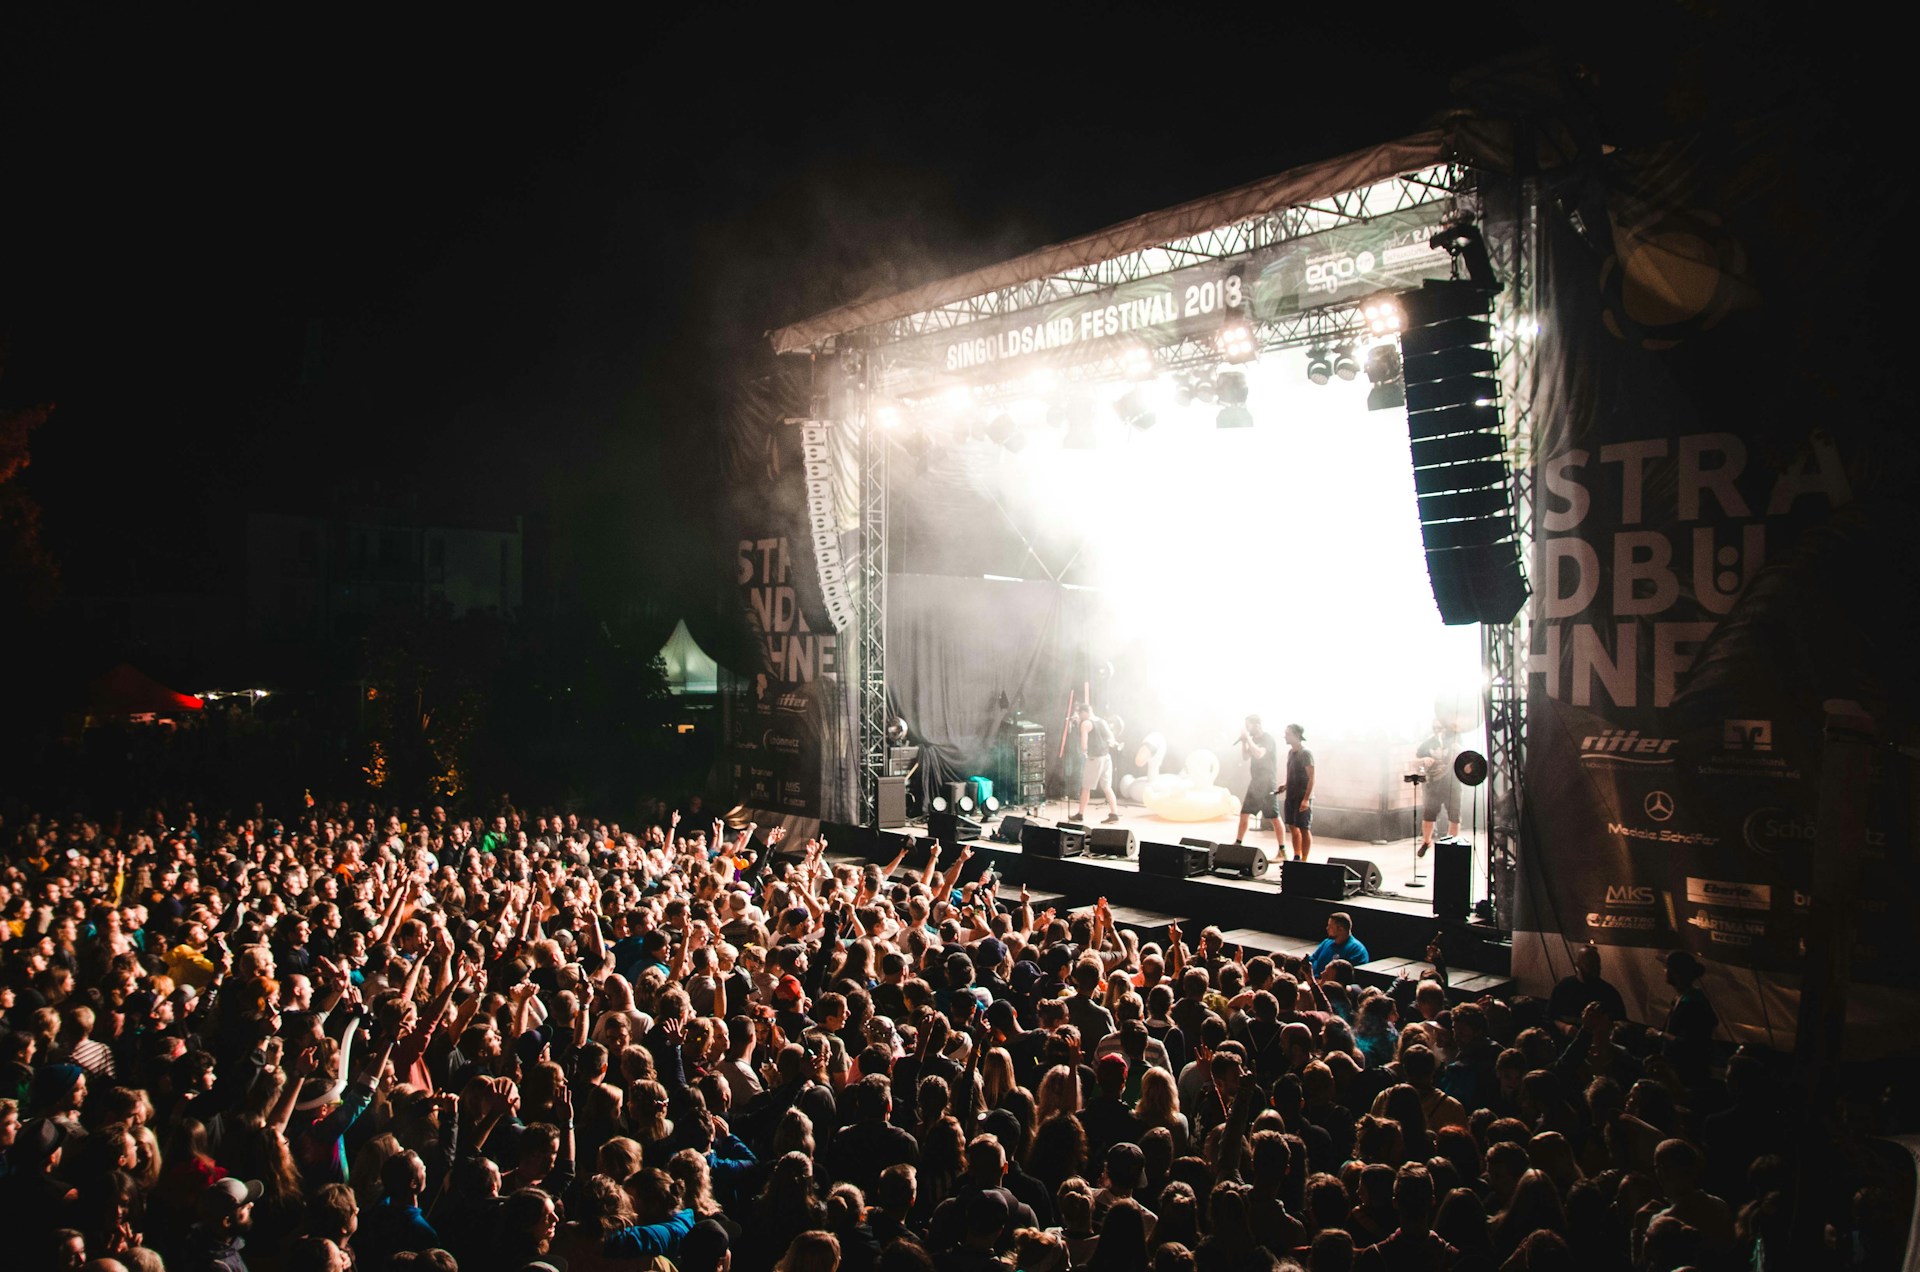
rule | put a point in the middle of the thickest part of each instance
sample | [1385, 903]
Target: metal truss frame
[1417, 189]
[871, 601]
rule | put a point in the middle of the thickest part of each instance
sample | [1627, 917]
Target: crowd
[512, 1042]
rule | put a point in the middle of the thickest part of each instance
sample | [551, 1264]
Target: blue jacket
[1327, 951]
[644, 1240]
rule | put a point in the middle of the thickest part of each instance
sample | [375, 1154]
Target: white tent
[689, 668]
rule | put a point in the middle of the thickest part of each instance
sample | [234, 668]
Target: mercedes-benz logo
[1659, 805]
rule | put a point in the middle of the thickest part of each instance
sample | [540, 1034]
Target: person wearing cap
[956, 1218]
[1126, 1173]
[214, 1244]
[705, 1248]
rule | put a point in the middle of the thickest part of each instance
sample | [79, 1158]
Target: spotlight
[1183, 391]
[993, 803]
[887, 417]
[1344, 365]
[939, 803]
[1138, 363]
[1203, 389]
[1133, 408]
[1462, 241]
[1383, 314]
[1319, 366]
[1233, 417]
[1232, 388]
[1383, 370]
[1237, 343]
[966, 803]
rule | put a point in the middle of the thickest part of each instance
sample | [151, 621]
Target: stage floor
[1396, 859]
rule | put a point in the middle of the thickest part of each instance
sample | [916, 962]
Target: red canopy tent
[126, 690]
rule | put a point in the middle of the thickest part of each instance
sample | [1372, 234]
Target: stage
[1396, 923]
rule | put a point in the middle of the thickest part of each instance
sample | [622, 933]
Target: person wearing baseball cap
[226, 1212]
[33, 1199]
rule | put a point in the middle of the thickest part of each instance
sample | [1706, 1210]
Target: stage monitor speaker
[952, 829]
[1053, 841]
[1183, 860]
[1364, 875]
[1010, 829]
[1245, 860]
[890, 803]
[1315, 879]
[1452, 878]
[1112, 841]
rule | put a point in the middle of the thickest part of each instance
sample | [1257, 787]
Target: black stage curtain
[955, 645]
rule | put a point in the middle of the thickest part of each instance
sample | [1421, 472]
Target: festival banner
[787, 719]
[1674, 733]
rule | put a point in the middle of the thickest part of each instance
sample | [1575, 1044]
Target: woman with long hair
[1461, 1221]
[1230, 1246]
[785, 1208]
[1059, 1151]
[1179, 1216]
[1374, 1033]
[647, 1120]
[1160, 1107]
[367, 1163]
[601, 1209]
[1403, 1107]
[1535, 1207]
[942, 1161]
[811, 1251]
[691, 1170]
[1059, 1094]
[996, 1076]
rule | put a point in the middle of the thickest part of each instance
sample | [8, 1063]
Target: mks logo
[1629, 894]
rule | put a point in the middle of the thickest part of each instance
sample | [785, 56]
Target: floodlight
[1232, 388]
[1138, 363]
[1204, 389]
[966, 803]
[1237, 343]
[1183, 391]
[1080, 434]
[1383, 370]
[1233, 417]
[939, 803]
[887, 417]
[993, 803]
[1319, 366]
[1134, 409]
[1383, 314]
[1344, 365]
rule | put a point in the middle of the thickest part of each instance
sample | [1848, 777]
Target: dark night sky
[507, 266]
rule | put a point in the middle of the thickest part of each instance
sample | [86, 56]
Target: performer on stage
[1263, 756]
[1296, 804]
[1440, 793]
[1095, 744]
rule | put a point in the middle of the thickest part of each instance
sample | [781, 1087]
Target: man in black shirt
[1296, 810]
[1096, 773]
[1263, 759]
[1440, 795]
[1573, 993]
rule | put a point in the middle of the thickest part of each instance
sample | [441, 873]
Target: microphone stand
[1417, 780]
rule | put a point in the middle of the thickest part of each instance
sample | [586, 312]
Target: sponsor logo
[1636, 894]
[1622, 922]
[1727, 893]
[1768, 830]
[1335, 272]
[1727, 931]
[1662, 835]
[1746, 735]
[1626, 746]
[794, 702]
[1746, 750]
[1658, 805]
[780, 744]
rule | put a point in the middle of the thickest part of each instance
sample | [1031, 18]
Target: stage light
[1237, 343]
[1232, 388]
[1383, 370]
[1183, 391]
[1233, 417]
[1138, 363]
[1204, 389]
[1383, 314]
[1344, 364]
[1461, 240]
[939, 803]
[887, 417]
[993, 804]
[966, 803]
[1319, 366]
[1134, 409]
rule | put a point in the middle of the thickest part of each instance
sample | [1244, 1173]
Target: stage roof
[1313, 181]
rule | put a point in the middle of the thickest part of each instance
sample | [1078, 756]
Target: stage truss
[1511, 237]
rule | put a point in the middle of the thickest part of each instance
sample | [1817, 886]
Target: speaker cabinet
[1365, 875]
[1011, 829]
[1112, 841]
[1053, 841]
[1183, 860]
[890, 803]
[951, 828]
[1245, 860]
[1452, 879]
[1315, 879]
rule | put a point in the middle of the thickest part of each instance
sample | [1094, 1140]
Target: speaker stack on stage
[1011, 829]
[951, 828]
[1053, 841]
[1243, 860]
[1184, 860]
[1112, 841]
[1362, 875]
[1452, 878]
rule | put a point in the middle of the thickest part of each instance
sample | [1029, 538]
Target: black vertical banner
[785, 717]
[1701, 545]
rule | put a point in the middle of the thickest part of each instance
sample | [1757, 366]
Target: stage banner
[1334, 266]
[1697, 506]
[787, 750]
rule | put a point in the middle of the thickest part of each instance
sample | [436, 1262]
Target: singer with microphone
[1257, 745]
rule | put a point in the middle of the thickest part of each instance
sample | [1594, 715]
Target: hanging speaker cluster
[1460, 470]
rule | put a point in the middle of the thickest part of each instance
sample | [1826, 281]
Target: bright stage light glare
[1344, 365]
[887, 416]
[1383, 314]
[1138, 363]
[1080, 431]
[1319, 366]
[1134, 408]
[1231, 386]
[1237, 343]
[1204, 390]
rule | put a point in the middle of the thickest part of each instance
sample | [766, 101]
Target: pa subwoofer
[1314, 879]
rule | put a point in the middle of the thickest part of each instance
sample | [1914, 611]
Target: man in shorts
[1263, 759]
[1096, 770]
[1296, 804]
